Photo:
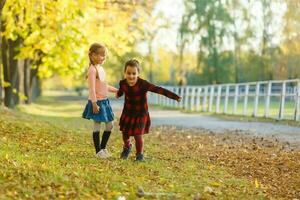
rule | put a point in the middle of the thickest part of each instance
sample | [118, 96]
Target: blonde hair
[94, 49]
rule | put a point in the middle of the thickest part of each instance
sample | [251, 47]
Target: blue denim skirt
[104, 115]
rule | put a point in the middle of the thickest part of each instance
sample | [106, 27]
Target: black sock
[96, 140]
[105, 138]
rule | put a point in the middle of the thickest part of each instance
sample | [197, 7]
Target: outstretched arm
[112, 89]
[159, 90]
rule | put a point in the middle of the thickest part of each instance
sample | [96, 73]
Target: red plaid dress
[135, 119]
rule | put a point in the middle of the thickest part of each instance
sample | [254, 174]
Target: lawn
[47, 153]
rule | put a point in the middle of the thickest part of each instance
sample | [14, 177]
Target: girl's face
[131, 75]
[98, 57]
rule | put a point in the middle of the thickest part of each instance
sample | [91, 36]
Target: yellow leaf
[210, 167]
[256, 183]
[216, 184]
[6, 84]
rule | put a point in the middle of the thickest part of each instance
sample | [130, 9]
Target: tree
[30, 35]
[44, 38]
[183, 39]
[290, 60]
[266, 71]
[209, 21]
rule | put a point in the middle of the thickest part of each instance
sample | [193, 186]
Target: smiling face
[99, 56]
[131, 75]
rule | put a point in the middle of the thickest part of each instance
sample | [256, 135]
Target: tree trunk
[181, 71]
[14, 73]
[1, 86]
[236, 54]
[35, 88]
[35, 85]
[10, 71]
[2, 2]
[27, 81]
[150, 58]
[6, 74]
[1, 99]
[266, 39]
[21, 80]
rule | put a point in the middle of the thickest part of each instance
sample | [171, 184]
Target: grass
[46, 153]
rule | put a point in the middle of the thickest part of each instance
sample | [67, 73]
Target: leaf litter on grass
[271, 165]
[47, 161]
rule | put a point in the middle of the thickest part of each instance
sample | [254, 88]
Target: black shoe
[139, 157]
[125, 153]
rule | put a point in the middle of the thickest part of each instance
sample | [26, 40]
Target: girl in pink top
[98, 107]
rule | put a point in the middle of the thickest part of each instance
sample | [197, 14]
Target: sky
[173, 11]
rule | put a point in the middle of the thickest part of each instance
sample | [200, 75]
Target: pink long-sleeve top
[98, 87]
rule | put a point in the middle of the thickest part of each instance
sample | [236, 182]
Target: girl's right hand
[96, 108]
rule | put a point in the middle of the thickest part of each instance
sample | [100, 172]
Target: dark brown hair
[94, 49]
[132, 63]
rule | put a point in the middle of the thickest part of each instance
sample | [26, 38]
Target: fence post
[186, 100]
[211, 98]
[256, 99]
[236, 96]
[282, 101]
[155, 96]
[297, 101]
[175, 103]
[246, 99]
[150, 97]
[192, 106]
[158, 99]
[171, 101]
[226, 98]
[198, 98]
[218, 99]
[204, 102]
[181, 88]
[267, 100]
[167, 100]
[163, 100]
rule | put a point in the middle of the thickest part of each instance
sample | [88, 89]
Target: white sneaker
[103, 153]
[107, 153]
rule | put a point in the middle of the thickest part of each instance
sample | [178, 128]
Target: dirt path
[176, 118]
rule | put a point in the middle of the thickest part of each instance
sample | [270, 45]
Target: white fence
[269, 99]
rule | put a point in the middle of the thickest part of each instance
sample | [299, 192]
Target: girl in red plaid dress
[135, 119]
